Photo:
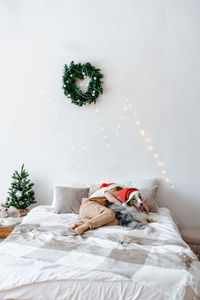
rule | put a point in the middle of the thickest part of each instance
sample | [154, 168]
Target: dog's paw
[145, 209]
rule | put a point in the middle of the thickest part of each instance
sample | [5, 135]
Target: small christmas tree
[21, 194]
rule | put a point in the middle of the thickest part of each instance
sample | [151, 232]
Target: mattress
[44, 259]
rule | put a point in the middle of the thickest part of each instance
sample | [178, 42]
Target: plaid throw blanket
[156, 256]
[124, 254]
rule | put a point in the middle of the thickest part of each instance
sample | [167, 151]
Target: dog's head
[136, 201]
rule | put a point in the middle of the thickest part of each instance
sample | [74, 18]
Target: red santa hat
[127, 194]
[109, 185]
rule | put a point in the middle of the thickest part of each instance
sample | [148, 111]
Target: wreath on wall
[81, 71]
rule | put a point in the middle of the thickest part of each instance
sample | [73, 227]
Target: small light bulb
[155, 155]
[130, 105]
[142, 132]
[122, 117]
[119, 126]
[167, 180]
[135, 114]
[125, 108]
[96, 110]
[49, 100]
[160, 163]
[105, 136]
[113, 152]
[82, 121]
[148, 140]
[108, 145]
[102, 128]
[62, 133]
[138, 123]
[127, 100]
[164, 172]
[117, 134]
[68, 141]
[150, 148]
[172, 186]
[81, 84]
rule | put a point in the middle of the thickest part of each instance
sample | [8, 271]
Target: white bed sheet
[22, 278]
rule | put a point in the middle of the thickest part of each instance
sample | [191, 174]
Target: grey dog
[129, 216]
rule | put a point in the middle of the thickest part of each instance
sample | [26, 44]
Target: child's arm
[111, 198]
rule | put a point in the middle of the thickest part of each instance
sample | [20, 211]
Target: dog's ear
[140, 196]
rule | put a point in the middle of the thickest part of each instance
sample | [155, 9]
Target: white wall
[148, 52]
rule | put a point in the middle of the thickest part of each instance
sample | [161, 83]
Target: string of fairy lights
[82, 139]
[149, 144]
[128, 108]
[79, 155]
[109, 144]
[104, 133]
[63, 131]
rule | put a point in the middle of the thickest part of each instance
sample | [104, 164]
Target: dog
[133, 213]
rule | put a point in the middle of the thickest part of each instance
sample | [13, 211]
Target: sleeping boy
[94, 212]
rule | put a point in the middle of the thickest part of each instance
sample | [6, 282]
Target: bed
[44, 259]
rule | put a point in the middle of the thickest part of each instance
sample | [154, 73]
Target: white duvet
[43, 259]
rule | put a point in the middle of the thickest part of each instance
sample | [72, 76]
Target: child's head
[116, 190]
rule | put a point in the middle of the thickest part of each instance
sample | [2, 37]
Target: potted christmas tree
[21, 194]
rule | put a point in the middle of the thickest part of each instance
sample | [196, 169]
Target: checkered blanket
[156, 256]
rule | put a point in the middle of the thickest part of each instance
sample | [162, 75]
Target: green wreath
[71, 90]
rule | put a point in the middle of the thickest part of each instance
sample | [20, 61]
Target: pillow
[68, 199]
[68, 184]
[149, 198]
